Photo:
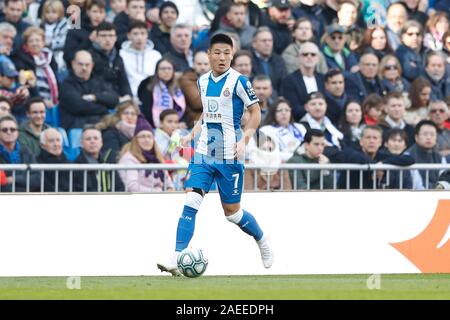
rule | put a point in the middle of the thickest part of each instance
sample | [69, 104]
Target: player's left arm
[249, 130]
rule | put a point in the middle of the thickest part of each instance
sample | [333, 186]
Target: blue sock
[186, 226]
[247, 222]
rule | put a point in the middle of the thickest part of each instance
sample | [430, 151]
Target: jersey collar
[217, 79]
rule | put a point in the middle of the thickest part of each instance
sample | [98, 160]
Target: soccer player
[220, 149]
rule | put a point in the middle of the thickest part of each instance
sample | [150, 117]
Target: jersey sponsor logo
[226, 92]
[213, 106]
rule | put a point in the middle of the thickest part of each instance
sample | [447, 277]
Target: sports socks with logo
[247, 222]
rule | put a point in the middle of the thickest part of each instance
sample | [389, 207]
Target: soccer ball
[192, 262]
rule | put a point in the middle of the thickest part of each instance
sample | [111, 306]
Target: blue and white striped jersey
[224, 99]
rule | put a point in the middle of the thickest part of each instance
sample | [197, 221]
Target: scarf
[336, 135]
[126, 129]
[339, 101]
[12, 157]
[46, 79]
[163, 99]
[150, 156]
[393, 124]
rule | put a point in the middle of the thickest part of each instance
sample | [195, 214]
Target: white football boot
[266, 252]
[171, 266]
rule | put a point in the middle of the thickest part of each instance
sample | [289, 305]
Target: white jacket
[139, 64]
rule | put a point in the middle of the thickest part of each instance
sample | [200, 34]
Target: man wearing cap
[278, 18]
[10, 88]
[296, 86]
[336, 54]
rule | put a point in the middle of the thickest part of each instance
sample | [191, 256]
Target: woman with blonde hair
[390, 74]
[143, 149]
[118, 128]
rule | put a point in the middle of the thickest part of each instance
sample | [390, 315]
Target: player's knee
[199, 191]
[194, 199]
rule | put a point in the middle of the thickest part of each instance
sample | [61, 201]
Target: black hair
[331, 73]
[424, 123]
[221, 38]
[168, 4]
[392, 133]
[31, 101]
[105, 26]
[313, 133]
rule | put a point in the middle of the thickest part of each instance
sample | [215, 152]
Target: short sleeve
[244, 90]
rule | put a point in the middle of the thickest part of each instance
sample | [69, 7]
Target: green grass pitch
[292, 287]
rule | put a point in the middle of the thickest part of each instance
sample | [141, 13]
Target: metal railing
[31, 178]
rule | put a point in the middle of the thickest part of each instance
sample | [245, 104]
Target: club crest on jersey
[213, 106]
[226, 92]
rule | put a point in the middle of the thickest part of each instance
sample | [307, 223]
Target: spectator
[96, 181]
[335, 94]
[192, 13]
[55, 27]
[13, 13]
[161, 92]
[396, 18]
[278, 19]
[180, 53]
[438, 113]
[38, 59]
[279, 123]
[7, 34]
[118, 129]
[373, 106]
[435, 72]
[315, 118]
[395, 144]
[10, 89]
[84, 98]
[446, 47]
[264, 91]
[143, 149]
[337, 55]
[160, 33]
[31, 130]
[265, 60]
[135, 11]
[347, 15]
[314, 145]
[296, 86]
[108, 64]
[52, 153]
[302, 32]
[375, 40]
[395, 112]
[138, 54]
[390, 74]
[242, 62]
[419, 95]
[5, 106]
[425, 151]
[313, 10]
[370, 152]
[409, 52]
[437, 25]
[234, 21]
[82, 39]
[266, 153]
[189, 87]
[11, 152]
[352, 124]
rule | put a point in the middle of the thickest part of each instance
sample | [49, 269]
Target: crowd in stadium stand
[115, 81]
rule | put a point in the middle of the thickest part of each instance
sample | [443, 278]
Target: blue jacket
[411, 61]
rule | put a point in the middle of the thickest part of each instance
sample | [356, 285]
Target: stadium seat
[75, 137]
[52, 116]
